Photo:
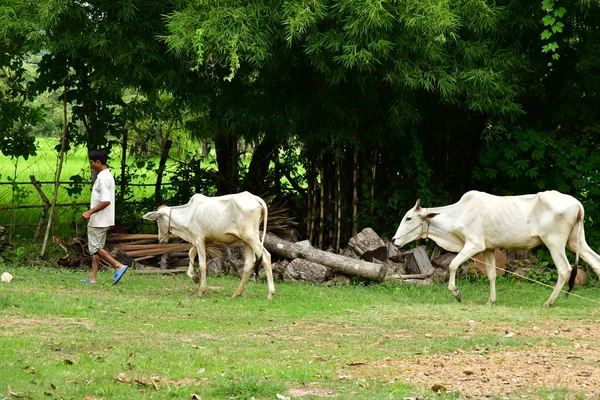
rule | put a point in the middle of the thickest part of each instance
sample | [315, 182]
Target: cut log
[336, 262]
[417, 261]
[368, 245]
[156, 270]
[308, 271]
[174, 259]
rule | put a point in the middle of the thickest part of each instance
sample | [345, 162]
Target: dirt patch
[14, 325]
[310, 391]
[504, 372]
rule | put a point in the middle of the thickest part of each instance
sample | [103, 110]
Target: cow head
[411, 226]
[161, 217]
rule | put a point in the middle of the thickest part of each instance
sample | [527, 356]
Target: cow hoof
[456, 294]
[491, 303]
[270, 296]
[547, 304]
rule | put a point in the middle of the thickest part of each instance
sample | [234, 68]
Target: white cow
[481, 222]
[221, 219]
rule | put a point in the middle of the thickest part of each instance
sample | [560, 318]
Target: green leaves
[552, 21]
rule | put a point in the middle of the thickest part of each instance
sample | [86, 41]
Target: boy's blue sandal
[119, 274]
[87, 281]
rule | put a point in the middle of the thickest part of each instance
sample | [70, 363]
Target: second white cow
[221, 219]
[481, 222]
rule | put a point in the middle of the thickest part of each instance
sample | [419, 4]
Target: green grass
[150, 337]
[44, 166]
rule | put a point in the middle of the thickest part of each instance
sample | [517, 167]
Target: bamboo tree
[355, 193]
[322, 199]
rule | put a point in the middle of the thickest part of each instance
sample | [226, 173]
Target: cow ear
[153, 215]
[431, 215]
[418, 205]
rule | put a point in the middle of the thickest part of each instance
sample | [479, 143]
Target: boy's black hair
[98, 155]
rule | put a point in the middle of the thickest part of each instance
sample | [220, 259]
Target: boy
[101, 216]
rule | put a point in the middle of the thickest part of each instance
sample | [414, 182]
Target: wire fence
[24, 209]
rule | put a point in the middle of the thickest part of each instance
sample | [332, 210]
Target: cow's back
[225, 218]
[515, 221]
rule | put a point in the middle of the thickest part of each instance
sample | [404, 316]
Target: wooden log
[157, 251]
[174, 259]
[156, 270]
[307, 271]
[368, 245]
[115, 237]
[130, 247]
[336, 262]
[417, 261]
[418, 276]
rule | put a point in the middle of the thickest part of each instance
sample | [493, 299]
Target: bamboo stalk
[338, 204]
[309, 206]
[373, 179]
[322, 213]
[355, 195]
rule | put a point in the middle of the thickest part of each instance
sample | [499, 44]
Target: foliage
[450, 95]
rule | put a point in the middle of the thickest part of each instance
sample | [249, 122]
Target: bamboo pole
[355, 195]
[338, 204]
[322, 213]
[374, 174]
[58, 171]
[309, 206]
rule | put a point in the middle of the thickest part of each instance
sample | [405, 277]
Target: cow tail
[579, 230]
[264, 210]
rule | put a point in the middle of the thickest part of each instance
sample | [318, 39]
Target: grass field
[44, 166]
[150, 337]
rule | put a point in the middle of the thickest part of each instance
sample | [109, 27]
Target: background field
[150, 337]
[44, 166]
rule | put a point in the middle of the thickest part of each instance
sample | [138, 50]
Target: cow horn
[418, 205]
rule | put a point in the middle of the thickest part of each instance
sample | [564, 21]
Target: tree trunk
[164, 155]
[227, 160]
[259, 165]
[336, 262]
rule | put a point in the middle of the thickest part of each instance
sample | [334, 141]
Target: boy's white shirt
[103, 190]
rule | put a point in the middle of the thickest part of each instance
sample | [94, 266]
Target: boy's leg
[96, 239]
